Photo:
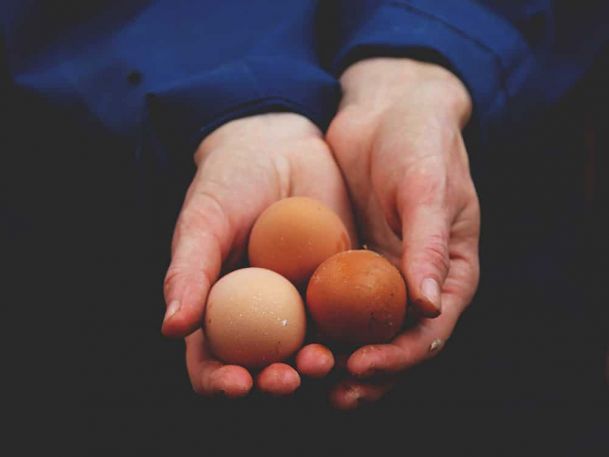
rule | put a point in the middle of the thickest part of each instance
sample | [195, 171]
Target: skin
[399, 147]
[398, 143]
[242, 168]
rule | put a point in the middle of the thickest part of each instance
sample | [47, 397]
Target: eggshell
[294, 236]
[357, 297]
[254, 317]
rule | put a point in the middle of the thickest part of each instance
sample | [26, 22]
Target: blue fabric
[186, 66]
[200, 63]
[516, 58]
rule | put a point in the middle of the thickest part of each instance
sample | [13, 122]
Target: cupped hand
[397, 139]
[242, 168]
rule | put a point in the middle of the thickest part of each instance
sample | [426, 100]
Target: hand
[397, 139]
[242, 168]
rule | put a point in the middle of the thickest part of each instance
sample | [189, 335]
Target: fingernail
[436, 345]
[431, 291]
[173, 308]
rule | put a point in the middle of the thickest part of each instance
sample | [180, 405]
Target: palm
[241, 182]
[243, 168]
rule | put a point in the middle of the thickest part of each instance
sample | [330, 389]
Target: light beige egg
[254, 317]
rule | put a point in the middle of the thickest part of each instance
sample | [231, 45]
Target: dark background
[88, 228]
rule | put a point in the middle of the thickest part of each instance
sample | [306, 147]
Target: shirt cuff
[182, 115]
[482, 49]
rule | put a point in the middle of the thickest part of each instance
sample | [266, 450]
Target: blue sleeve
[180, 68]
[515, 57]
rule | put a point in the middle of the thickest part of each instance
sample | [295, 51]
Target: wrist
[379, 83]
[258, 131]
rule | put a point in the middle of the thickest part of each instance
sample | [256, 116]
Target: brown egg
[357, 297]
[294, 236]
[254, 317]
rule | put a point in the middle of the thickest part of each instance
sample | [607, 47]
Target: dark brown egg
[357, 297]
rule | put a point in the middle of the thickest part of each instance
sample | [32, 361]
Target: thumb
[202, 238]
[425, 256]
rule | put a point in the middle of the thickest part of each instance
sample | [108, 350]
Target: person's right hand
[242, 168]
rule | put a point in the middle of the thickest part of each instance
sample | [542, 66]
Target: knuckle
[171, 278]
[426, 181]
[435, 253]
[475, 273]
[190, 221]
[203, 386]
[472, 282]
[204, 208]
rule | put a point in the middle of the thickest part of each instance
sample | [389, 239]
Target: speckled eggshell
[294, 236]
[357, 297]
[254, 317]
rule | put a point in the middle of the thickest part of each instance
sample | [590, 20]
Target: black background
[88, 231]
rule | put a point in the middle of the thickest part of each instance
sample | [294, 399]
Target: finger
[278, 379]
[408, 349]
[315, 361]
[350, 393]
[425, 235]
[429, 336]
[202, 238]
[462, 280]
[211, 377]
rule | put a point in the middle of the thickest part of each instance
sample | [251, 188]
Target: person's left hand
[397, 139]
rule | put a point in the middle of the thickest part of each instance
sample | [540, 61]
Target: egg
[294, 236]
[357, 297]
[254, 317]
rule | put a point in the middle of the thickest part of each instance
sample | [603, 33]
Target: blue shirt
[177, 69]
